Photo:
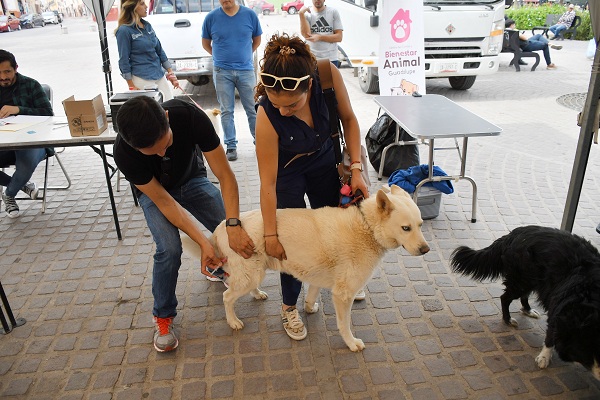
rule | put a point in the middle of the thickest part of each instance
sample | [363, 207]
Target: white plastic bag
[591, 49]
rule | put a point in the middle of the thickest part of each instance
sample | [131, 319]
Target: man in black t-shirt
[158, 151]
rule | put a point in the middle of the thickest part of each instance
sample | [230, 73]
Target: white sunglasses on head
[287, 83]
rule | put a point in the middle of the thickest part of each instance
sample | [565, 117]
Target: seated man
[159, 150]
[19, 94]
[564, 22]
[534, 43]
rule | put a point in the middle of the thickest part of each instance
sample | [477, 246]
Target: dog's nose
[424, 249]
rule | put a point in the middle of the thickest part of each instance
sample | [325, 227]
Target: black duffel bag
[383, 133]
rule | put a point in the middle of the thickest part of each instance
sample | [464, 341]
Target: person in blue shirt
[231, 34]
[142, 60]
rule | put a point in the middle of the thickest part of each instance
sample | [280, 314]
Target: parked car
[59, 16]
[293, 6]
[28, 21]
[50, 17]
[9, 23]
[261, 6]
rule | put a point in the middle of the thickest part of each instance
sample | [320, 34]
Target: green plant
[528, 17]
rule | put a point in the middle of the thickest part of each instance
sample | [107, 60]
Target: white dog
[329, 247]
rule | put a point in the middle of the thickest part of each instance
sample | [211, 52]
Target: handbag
[342, 156]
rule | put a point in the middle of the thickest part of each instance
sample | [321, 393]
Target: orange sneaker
[551, 66]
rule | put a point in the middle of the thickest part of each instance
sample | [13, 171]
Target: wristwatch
[356, 165]
[233, 222]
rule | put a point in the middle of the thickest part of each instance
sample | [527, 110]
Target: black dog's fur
[563, 270]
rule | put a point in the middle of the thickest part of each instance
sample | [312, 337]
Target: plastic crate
[429, 200]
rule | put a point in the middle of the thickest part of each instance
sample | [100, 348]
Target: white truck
[178, 25]
[463, 39]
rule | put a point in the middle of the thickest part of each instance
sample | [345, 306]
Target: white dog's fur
[329, 247]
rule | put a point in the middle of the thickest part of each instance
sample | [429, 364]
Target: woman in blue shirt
[142, 60]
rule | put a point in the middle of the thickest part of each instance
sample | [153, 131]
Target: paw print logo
[400, 26]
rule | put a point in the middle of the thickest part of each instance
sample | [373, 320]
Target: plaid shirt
[567, 18]
[29, 96]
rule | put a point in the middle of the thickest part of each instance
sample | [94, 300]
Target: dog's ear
[384, 204]
[398, 191]
[385, 188]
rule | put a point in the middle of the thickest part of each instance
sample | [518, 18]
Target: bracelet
[355, 162]
[270, 235]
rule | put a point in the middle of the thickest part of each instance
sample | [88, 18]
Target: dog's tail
[478, 264]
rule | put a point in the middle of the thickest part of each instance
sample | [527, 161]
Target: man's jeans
[538, 42]
[203, 200]
[25, 162]
[557, 29]
[226, 81]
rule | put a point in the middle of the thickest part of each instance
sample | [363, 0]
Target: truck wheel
[461, 82]
[266, 12]
[292, 10]
[198, 80]
[368, 81]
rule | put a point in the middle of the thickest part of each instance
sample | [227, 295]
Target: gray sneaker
[31, 190]
[164, 337]
[231, 154]
[10, 205]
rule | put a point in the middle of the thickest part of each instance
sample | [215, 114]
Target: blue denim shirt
[140, 52]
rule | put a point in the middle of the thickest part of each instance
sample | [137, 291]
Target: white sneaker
[361, 295]
[215, 279]
[292, 323]
[550, 35]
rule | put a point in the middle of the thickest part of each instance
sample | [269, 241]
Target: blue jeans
[25, 162]
[538, 42]
[203, 200]
[557, 29]
[317, 176]
[226, 81]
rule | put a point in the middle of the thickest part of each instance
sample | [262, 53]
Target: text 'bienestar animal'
[563, 270]
[329, 247]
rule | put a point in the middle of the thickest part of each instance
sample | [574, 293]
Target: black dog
[563, 270]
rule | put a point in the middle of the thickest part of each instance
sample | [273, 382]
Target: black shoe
[521, 62]
[231, 154]
[598, 228]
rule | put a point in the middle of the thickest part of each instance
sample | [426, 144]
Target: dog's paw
[531, 313]
[259, 294]
[311, 309]
[543, 359]
[356, 344]
[235, 323]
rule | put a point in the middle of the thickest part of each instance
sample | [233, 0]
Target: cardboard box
[118, 99]
[86, 117]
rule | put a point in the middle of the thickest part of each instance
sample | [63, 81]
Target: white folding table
[54, 132]
[430, 117]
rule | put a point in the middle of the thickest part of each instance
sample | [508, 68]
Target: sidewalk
[430, 334]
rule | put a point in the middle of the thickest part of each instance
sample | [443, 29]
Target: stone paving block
[78, 380]
[452, 391]
[512, 385]
[106, 379]
[478, 379]
[382, 375]
[159, 393]
[83, 361]
[439, 367]
[353, 384]
[546, 386]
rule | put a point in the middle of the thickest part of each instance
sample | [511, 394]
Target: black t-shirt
[191, 129]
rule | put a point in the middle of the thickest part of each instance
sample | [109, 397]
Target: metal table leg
[13, 322]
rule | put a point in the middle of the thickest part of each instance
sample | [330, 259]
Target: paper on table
[17, 122]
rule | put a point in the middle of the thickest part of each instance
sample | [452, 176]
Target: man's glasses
[286, 83]
[165, 166]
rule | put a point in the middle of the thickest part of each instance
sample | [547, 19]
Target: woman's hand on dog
[240, 242]
[274, 248]
[358, 183]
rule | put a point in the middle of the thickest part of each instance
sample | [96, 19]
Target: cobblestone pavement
[430, 334]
